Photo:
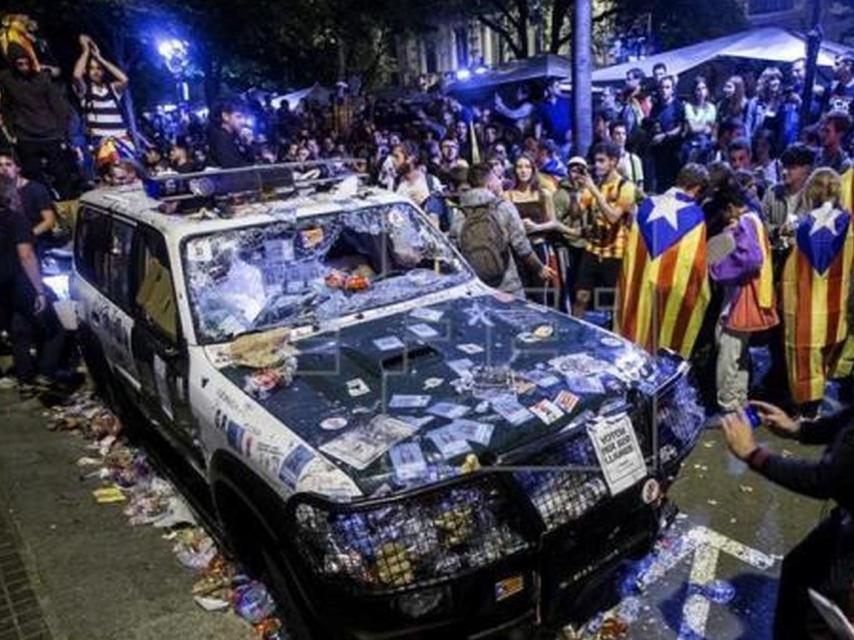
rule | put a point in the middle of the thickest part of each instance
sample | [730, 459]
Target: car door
[159, 352]
[102, 256]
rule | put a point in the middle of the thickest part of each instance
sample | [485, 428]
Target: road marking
[708, 545]
[704, 545]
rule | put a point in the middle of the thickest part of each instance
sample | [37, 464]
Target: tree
[675, 23]
[512, 21]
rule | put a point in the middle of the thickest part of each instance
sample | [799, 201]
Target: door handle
[170, 353]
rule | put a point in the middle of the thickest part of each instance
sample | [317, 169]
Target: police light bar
[252, 180]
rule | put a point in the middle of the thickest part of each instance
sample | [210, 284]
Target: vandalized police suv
[403, 451]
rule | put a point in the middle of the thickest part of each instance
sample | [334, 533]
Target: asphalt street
[94, 577]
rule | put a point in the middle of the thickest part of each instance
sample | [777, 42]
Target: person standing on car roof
[226, 149]
[24, 297]
[100, 99]
[38, 115]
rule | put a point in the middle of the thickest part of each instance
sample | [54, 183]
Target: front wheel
[253, 546]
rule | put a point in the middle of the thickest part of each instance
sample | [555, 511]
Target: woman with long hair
[814, 286]
[765, 110]
[734, 102]
[700, 124]
[536, 208]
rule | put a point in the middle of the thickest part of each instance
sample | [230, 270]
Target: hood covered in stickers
[423, 395]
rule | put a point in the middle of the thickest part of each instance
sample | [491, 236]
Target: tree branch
[504, 11]
[503, 33]
[560, 10]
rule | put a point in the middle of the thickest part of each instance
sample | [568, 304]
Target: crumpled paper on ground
[128, 476]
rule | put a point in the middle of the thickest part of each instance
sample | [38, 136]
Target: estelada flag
[663, 289]
[815, 284]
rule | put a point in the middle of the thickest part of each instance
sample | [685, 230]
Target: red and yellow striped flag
[664, 290]
[814, 285]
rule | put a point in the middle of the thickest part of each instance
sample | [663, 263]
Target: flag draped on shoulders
[814, 285]
[663, 290]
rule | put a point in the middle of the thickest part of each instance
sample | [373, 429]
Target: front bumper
[476, 555]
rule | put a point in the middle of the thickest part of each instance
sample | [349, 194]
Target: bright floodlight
[165, 48]
[172, 48]
[463, 74]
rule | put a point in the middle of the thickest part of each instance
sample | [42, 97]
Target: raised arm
[79, 73]
[121, 80]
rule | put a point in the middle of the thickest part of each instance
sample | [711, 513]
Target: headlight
[413, 539]
[679, 417]
[563, 496]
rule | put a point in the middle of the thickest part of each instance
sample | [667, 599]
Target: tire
[107, 385]
[96, 363]
[252, 545]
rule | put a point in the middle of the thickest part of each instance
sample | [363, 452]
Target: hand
[547, 273]
[40, 304]
[530, 226]
[587, 181]
[739, 435]
[777, 420]
[85, 41]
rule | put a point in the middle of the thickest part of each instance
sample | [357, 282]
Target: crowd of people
[704, 224]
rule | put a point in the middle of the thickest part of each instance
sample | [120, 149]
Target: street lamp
[176, 55]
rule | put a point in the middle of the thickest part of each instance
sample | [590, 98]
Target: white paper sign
[618, 452]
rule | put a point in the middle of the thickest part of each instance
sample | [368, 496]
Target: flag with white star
[814, 290]
[663, 290]
[821, 235]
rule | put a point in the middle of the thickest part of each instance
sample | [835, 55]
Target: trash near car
[403, 451]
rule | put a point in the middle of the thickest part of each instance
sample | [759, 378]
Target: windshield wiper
[294, 309]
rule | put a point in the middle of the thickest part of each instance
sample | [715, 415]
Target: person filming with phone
[824, 560]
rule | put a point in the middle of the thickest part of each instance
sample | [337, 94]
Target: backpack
[483, 245]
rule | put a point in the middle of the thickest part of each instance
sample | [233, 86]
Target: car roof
[132, 202]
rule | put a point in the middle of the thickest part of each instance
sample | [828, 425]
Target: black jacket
[226, 150]
[828, 478]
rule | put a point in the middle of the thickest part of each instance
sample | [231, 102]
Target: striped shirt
[102, 113]
[608, 239]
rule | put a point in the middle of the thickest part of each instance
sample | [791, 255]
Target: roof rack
[250, 182]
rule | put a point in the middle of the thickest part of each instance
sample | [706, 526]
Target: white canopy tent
[767, 43]
[316, 92]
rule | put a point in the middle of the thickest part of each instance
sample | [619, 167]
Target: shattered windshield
[293, 273]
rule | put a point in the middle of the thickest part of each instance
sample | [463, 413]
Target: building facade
[459, 42]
